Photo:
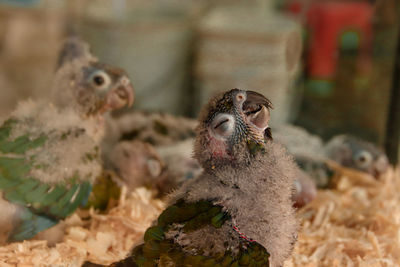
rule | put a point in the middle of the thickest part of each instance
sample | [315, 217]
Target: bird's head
[103, 88]
[358, 154]
[91, 86]
[233, 128]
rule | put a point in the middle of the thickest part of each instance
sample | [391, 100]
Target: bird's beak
[122, 96]
[256, 110]
[260, 118]
[257, 99]
[381, 166]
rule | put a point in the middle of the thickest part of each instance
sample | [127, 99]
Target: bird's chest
[243, 206]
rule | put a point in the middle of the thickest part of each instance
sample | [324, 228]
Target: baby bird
[238, 212]
[49, 151]
[352, 152]
[348, 151]
[138, 164]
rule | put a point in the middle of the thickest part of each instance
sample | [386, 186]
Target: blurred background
[327, 65]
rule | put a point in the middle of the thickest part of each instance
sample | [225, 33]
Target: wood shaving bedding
[102, 239]
[355, 224]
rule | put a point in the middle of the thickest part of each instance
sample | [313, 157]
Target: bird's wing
[44, 203]
[157, 248]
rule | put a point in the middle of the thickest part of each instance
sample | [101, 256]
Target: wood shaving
[98, 238]
[355, 224]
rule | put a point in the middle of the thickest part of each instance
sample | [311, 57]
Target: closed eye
[222, 125]
[219, 124]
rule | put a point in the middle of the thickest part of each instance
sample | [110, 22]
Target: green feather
[218, 220]
[22, 144]
[13, 168]
[182, 211]
[37, 194]
[201, 219]
[27, 185]
[31, 225]
[54, 195]
[105, 190]
[43, 204]
[158, 250]
[154, 233]
[65, 201]
[5, 129]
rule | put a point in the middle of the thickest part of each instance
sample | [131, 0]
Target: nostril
[126, 154]
[240, 97]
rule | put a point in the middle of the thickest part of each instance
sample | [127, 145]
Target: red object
[326, 22]
[241, 235]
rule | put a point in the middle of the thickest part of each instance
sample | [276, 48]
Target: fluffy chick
[49, 152]
[169, 135]
[352, 152]
[138, 164]
[312, 155]
[180, 163]
[158, 129]
[239, 210]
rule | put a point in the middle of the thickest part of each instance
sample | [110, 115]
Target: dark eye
[363, 159]
[100, 79]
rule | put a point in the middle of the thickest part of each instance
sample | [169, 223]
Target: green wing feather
[104, 193]
[31, 224]
[158, 250]
[45, 203]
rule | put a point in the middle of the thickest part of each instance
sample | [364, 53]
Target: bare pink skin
[306, 190]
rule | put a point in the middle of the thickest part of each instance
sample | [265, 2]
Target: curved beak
[254, 98]
[129, 95]
[255, 110]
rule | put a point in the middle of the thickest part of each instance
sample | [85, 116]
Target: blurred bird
[312, 154]
[138, 164]
[150, 149]
[172, 139]
[352, 152]
[305, 189]
[308, 151]
[180, 164]
[49, 152]
[238, 212]
[313, 157]
[157, 129]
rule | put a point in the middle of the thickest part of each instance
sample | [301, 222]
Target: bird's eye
[100, 80]
[363, 159]
[222, 125]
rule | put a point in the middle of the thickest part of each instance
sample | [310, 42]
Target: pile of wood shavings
[103, 239]
[357, 224]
